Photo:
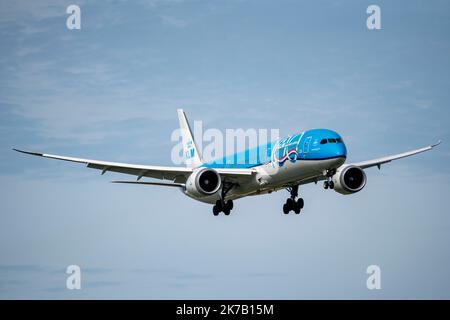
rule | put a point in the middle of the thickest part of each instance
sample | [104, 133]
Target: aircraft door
[306, 146]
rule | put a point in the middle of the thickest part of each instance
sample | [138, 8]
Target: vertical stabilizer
[191, 155]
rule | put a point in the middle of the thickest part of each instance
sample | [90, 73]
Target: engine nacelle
[349, 179]
[203, 182]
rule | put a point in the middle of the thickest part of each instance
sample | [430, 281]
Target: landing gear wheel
[291, 203]
[222, 205]
[225, 207]
[296, 208]
[300, 203]
[329, 179]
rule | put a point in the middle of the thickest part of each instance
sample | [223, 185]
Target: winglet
[436, 144]
[29, 152]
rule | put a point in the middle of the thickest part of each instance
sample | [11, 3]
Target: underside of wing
[178, 174]
[236, 176]
[164, 184]
[378, 162]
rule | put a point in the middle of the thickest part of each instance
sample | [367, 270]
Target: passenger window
[339, 140]
[323, 141]
[332, 140]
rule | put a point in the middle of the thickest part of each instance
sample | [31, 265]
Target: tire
[216, 210]
[300, 203]
[290, 202]
[226, 211]
[230, 204]
[296, 208]
[286, 208]
[331, 185]
[325, 185]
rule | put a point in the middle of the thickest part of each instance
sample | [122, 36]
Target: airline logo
[190, 150]
[286, 149]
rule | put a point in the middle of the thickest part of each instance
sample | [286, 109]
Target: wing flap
[164, 184]
[236, 172]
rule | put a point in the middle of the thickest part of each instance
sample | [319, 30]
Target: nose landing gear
[291, 203]
[329, 183]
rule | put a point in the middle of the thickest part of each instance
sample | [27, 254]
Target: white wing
[176, 174]
[378, 162]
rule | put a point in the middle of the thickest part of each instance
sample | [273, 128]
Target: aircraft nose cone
[341, 150]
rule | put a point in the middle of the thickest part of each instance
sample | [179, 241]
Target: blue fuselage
[315, 144]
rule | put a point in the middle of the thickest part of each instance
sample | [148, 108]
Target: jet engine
[203, 182]
[349, 179]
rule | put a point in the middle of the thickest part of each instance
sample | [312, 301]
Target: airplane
[287, 163]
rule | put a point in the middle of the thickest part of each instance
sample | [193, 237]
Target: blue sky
[109, 91]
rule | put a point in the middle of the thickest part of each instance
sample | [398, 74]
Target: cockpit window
[331, 140]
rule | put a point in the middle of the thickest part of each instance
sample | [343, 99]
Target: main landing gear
[292, 204]
[329, 183]
[222, 205]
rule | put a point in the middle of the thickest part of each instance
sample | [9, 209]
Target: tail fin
[191, 154]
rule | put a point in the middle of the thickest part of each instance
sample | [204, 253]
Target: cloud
[156, 3]
[100, 284]
[28, 18]
[424, 103]
[174, 22]
[265, 274]
[21, 10]
[20, 269]
[193, 276]
[10, 283]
